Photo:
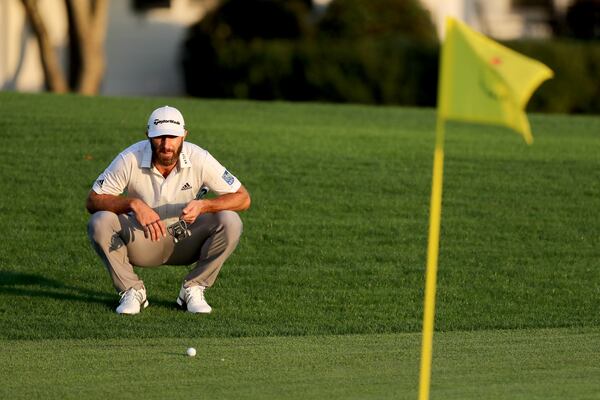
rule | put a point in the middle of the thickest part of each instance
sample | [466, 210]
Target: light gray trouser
[119, 241]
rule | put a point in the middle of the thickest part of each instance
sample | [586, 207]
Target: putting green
[527, 364]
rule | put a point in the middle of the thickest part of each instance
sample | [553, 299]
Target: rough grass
[335, 240]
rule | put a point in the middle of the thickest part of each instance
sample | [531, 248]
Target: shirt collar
[147, 155]
[184, 158]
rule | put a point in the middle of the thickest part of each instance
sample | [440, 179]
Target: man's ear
[146, 133]
[185, 134]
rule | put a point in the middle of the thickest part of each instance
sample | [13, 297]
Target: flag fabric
[483, 81]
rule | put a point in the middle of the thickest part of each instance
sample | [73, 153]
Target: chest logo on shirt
[187, 186]
[228, 178]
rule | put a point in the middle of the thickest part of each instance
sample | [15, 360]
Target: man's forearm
[238, 201]
[107, 202]
[233, 202]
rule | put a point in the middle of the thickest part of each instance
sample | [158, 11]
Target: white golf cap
[166, 121]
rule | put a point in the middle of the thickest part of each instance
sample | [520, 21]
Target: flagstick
[432, 260]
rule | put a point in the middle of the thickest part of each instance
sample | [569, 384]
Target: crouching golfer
[147, 188]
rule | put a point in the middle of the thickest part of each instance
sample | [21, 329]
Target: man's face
[166, 149]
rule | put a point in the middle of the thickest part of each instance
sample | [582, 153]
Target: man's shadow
[30, 285]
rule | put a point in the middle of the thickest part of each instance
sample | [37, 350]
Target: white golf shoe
[193, 299]
[132, 301]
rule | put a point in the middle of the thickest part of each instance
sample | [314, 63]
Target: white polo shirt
[132, 173]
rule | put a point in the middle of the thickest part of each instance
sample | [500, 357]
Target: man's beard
[164, 159]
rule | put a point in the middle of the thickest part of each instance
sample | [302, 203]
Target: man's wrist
[208, 206]
[134, 204]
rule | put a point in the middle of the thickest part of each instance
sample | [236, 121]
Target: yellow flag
[483, 81]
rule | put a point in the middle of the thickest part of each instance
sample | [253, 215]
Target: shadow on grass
[30, 285]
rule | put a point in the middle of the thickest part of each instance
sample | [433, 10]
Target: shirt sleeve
[114, 179]
[218, 178]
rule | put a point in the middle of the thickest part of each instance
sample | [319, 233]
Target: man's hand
[149, 220]
[193, 209]
[237, 201]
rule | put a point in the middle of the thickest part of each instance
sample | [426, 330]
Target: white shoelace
[194, 291]
[132, 294]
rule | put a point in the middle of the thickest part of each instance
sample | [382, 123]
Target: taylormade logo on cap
[166, 121]
[162, 121]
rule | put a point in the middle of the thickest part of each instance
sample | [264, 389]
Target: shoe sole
[183, 305]
[181, 302]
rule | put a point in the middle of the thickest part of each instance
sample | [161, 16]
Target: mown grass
[335, 240]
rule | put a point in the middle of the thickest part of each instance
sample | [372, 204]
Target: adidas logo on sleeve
[187, 186]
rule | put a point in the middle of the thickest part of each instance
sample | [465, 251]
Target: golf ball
[191, 352]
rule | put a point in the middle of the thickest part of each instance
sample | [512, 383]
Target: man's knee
[101, 223]
[231, 224]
